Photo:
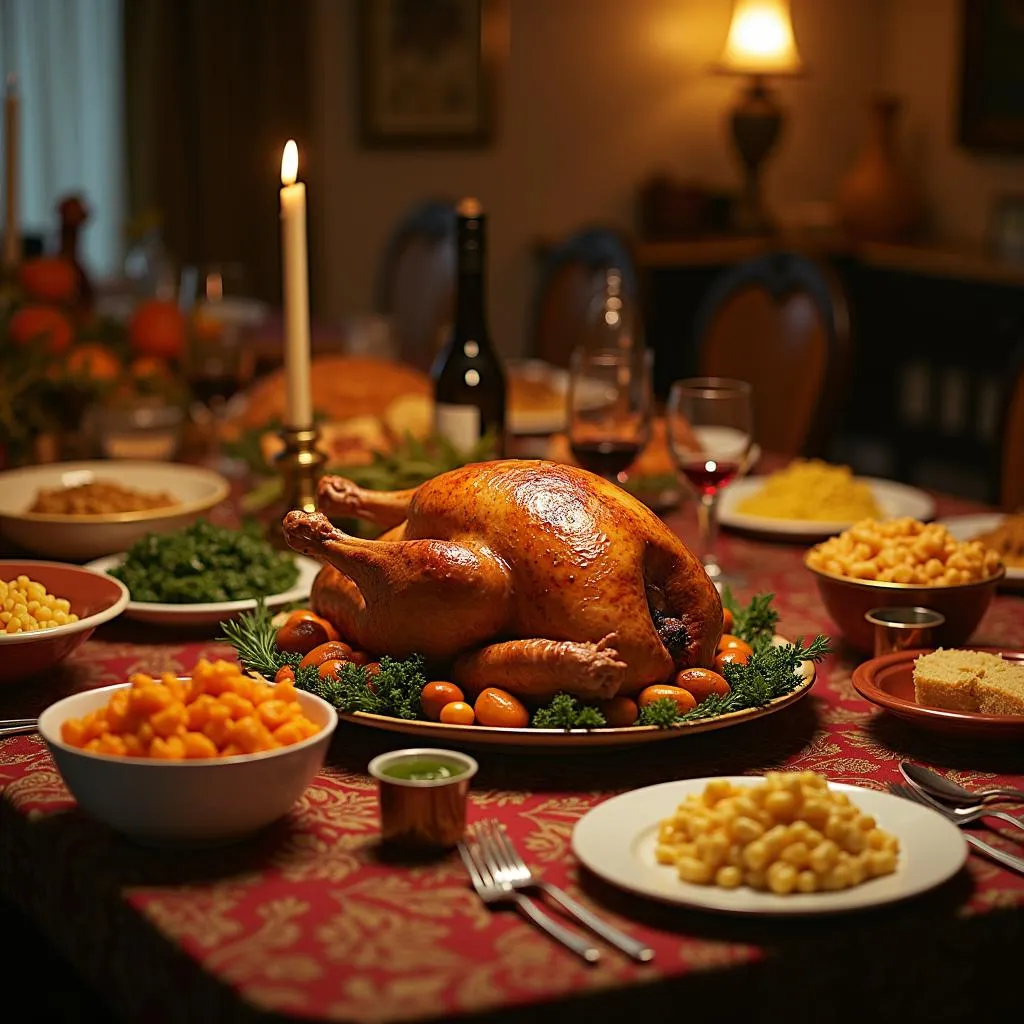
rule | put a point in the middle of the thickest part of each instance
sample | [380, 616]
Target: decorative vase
[878, 201]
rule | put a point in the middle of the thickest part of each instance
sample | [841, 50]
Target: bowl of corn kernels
[903, 562]
[209, 757]
[47, 610]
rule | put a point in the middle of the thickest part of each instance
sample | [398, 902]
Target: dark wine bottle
[469, 380]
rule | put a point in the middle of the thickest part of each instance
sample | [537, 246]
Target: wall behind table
[922, 65]
[596, 95]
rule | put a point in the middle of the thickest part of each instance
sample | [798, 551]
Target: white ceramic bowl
[82, 537]
[191, 802]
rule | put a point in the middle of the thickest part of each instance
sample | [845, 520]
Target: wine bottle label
[459, 424]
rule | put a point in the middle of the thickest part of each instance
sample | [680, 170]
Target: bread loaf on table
[964, 680]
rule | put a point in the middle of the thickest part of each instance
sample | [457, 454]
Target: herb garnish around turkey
[396, 688]
[566, 712]
[395, 693]
[771, 672]
[755, 622]
[203, 563]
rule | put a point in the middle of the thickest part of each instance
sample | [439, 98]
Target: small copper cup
[422, 813]
[902, 629]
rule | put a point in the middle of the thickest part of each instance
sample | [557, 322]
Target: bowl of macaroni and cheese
[902, 562]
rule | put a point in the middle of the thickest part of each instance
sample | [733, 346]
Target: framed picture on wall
[992, 76]
[428, 72]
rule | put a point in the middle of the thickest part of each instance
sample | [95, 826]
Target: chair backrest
[571, 281]
[416, 281]
[1011, 490]
[780, 321]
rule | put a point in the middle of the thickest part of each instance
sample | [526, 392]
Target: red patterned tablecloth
[310, 921]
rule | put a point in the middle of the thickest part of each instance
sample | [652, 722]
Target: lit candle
[299, 408]
[12, 234]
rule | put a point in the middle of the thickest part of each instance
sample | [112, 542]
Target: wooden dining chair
[780, 322]
[1011, 489]
[416, 281]
[569, 288]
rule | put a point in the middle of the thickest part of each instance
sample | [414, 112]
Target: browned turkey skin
[527, 575]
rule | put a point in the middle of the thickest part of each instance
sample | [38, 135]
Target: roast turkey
[532, 576]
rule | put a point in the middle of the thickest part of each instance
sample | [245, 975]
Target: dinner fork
[994, 853]
[15, 726]
[965, 815]
[494, 890]
[504, 860]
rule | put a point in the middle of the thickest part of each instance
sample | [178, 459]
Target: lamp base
[756, 124]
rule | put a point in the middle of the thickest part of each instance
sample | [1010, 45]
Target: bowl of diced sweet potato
[211, 757]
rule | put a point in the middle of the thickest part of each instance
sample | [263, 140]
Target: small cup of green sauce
[422, 792]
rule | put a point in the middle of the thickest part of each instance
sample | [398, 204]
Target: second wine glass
[710, 431]
[609, 419]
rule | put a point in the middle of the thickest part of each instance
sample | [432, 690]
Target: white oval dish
[894, 500]
[211, 613]
[616, 840]
[77, 537]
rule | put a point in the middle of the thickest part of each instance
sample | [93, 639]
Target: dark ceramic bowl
[847, 601]
[94, 597]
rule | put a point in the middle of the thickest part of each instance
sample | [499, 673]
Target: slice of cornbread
[960, 680]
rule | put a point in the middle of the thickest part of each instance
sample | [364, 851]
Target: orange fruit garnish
[437, 695]
[456, 713]
[620, 712]
[49, 279]
[157, 328]
[42, 325]
[96, 362]
[701, 682]
[684, 700]
[500, 709]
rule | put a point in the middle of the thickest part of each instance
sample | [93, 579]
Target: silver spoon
[940, 786]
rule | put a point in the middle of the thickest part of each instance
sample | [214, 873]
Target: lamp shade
[760, 40]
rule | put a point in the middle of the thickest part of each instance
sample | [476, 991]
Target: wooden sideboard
[937, 341]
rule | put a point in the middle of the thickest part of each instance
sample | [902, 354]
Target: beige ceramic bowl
[848, 600]
[192, 802]
[79, 538]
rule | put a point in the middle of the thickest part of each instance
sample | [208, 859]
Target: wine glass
[709, 423]
[217, 364]
[609, 408]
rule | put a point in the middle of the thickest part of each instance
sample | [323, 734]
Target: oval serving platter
[574, 739]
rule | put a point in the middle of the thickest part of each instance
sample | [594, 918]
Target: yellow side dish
[812, 489]
[789, 833]
[26, 605]
[217, 712]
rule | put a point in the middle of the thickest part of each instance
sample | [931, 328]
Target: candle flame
[289, 163]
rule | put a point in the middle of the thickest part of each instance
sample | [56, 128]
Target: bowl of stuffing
[47, 610]
[208, 758]
[902, 562]
[83, 510]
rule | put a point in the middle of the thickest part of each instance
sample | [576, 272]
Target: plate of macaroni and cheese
[786, 843]
[811, 499]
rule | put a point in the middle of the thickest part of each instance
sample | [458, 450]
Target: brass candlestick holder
[300, 464]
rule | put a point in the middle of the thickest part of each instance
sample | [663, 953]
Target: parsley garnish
[566, 712]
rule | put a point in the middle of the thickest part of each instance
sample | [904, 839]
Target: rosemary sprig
[254, 639]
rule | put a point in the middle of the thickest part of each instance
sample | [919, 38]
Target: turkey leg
[340, 498]
[538, 669]
[433, 597]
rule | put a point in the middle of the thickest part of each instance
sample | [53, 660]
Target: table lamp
[760, 43]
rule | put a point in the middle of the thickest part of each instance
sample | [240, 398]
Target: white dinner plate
[616, 840]
[893, 499]
[212, 613]
[968, 527]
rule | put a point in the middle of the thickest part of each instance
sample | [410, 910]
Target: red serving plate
[888, 681]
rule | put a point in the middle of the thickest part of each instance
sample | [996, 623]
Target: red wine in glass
[708, 475]
[606, 458]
